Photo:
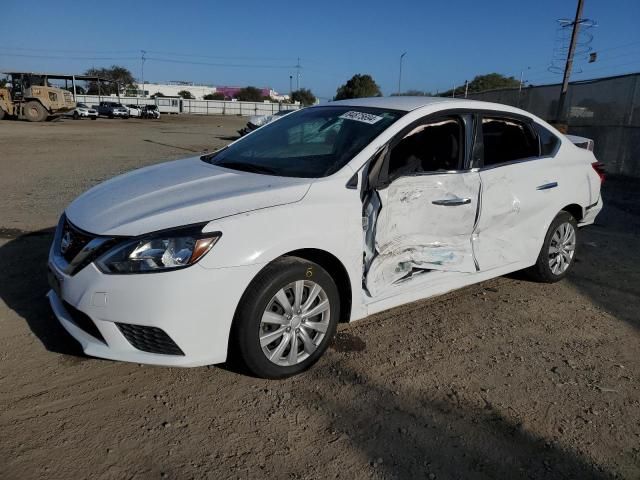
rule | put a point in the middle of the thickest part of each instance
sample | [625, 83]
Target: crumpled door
[423, 223]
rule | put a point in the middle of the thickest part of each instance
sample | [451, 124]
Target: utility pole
[143, 59]
[298, 74]
[400, 74]
[291, 88]
[521, 84]
[466, 88]
[569, 65]
[453, 91]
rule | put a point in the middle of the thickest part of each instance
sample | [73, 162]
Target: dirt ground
[506, 379]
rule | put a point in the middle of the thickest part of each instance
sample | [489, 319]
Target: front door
[423, 215]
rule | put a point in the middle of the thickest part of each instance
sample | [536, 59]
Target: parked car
[83, 111]
[112, 109]
[328, 215]
[134, 110]
[260, 120]
[150, 111]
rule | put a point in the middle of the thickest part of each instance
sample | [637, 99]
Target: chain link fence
[606, 110]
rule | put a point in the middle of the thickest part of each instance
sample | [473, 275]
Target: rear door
[522, 183]
[423, 210]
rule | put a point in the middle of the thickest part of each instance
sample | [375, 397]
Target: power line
[67, 51]
[239, 65]
[217, 57]
[65, 57]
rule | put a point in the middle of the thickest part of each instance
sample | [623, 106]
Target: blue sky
[258, 43]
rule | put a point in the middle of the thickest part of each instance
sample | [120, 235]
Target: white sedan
[328, 215]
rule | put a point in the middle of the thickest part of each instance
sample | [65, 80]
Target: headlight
[158, 252]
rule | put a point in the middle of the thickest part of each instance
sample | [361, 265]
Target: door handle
[452, 202]
[547, 186]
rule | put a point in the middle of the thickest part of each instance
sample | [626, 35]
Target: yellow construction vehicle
[29, 96]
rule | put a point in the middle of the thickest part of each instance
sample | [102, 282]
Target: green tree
[358, 86]
[304, 96]
[214, 96]
[115, 75]
[3, 82]
[481, 83]
[158, 94]
[186, 94]
[250, 94]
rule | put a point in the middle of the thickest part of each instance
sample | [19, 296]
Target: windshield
[310, 143]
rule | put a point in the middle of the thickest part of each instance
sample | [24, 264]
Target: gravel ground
[505, 379]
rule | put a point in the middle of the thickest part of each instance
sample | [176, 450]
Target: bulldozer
[29, 96]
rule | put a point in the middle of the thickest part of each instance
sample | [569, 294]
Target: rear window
[507, 140]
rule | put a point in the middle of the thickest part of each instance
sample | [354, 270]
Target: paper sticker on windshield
[361, 117]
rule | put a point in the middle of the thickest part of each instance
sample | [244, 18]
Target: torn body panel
[515, 213]
[423, 223]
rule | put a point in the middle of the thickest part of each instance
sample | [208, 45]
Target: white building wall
[194, 107]
[198, 91]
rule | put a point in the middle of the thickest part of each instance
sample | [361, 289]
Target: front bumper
[193, 306]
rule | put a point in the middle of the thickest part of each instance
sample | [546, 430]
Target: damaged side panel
[407, 234]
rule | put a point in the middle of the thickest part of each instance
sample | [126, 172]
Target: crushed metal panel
[411, 233]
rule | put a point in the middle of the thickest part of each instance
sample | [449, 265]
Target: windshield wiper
[247, 167]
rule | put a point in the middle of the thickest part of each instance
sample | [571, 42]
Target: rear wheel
[557, 256]
[76, 116]
[94, 117]
[34, 111]
[286, 318]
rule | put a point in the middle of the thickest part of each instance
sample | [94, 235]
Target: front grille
[72, 240]
[82, 321]
[149, 339]
[79, 248]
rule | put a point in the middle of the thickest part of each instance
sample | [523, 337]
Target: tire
[250, 333]
[94, 118]
[2, 114]
[34, 111]
[76, 116]
[552, 267]
[111, 115]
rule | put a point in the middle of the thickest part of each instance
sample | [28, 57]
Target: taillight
[599, 168]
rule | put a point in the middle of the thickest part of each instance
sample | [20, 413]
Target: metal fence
[196, 107]
[605, 109]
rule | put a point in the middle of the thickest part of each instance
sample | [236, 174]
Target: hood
[178, 193]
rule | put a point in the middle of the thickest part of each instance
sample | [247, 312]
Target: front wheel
[34, 111]
[286, 318]
[76, 116]
[557, 256]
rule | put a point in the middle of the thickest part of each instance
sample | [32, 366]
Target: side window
[548, 141]
[430, 147]
[507, 140]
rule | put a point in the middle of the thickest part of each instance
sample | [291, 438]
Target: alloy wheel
[294, 323]
[562, 248]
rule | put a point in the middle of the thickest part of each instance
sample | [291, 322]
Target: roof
[60, 76]
[399, 103]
